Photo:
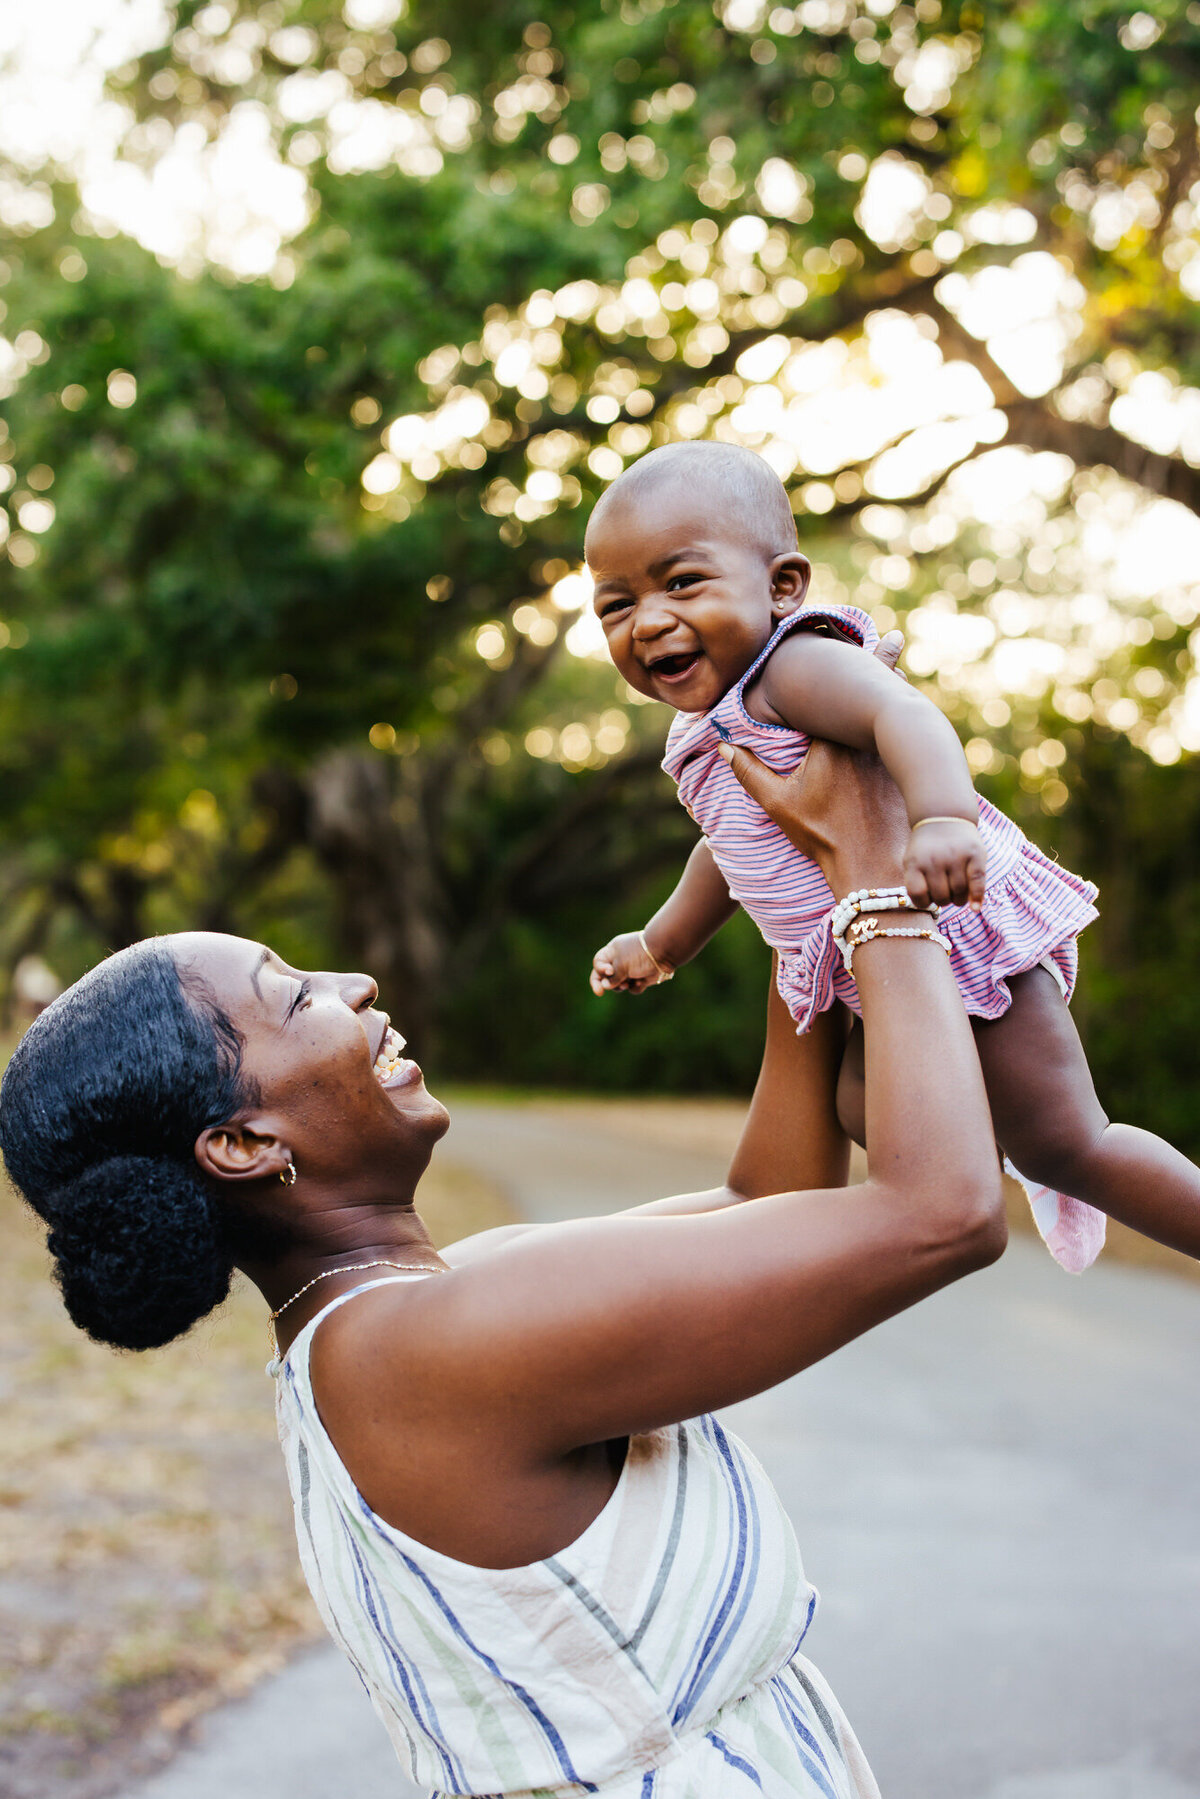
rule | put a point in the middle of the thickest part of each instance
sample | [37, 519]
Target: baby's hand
[946, 862]
[626, 966]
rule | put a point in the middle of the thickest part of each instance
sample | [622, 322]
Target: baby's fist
[946, 863]
[626, 966]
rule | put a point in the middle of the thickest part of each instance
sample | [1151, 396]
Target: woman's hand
[840, 806]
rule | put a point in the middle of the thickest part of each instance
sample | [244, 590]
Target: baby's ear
[790, 575]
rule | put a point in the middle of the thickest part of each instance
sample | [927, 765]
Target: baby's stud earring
[288, 1175]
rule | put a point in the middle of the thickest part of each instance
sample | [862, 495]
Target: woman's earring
[288, 1175]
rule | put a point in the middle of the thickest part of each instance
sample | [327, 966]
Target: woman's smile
[392, 1069]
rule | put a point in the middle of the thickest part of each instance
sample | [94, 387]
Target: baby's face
[686, 601]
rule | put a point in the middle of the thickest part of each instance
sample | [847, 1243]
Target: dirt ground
[148, 1566]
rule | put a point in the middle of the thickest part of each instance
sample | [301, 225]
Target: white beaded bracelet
[866, 899]
[870, 899]
[861, 901]
[872, 931]
[864, 893]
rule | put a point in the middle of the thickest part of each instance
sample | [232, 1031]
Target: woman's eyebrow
[254, 972]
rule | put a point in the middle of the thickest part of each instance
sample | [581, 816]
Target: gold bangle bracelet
[944, 819]
[665, 973]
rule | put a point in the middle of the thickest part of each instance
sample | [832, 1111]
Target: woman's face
[332, 1082]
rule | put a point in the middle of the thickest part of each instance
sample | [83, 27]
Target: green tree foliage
[292, 646]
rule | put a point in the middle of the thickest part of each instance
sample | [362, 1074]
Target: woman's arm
[791, 1137]
[581, 1332]
[832, 691]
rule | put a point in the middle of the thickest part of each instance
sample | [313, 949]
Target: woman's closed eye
[299, 1001]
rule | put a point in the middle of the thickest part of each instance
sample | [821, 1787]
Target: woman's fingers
[838, 803]
[888, 651]
[761, 783]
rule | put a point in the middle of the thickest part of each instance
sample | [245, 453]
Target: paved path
[998, 1493]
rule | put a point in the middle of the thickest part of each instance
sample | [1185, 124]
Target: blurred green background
[324, 326]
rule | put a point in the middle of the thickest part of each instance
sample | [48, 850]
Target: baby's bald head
[741, 495]
[694, 563]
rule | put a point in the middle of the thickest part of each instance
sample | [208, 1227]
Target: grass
[148, 1565]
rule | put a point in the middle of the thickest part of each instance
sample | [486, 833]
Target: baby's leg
[1051, 1124]
[852, 1087]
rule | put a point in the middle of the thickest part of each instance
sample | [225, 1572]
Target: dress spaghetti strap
[275, 1367]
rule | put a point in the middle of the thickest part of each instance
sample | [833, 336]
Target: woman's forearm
[792, 1138]
[695, 912]
[603, 1327]
[929, 1137]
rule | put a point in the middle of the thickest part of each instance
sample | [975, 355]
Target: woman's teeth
[390, 1057]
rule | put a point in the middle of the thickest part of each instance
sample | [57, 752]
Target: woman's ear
[235, 1152]
[790, 576]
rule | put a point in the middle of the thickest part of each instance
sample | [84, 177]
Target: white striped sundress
[656, 1657]
[1033, 909]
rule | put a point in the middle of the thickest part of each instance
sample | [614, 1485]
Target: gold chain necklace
[350, 1268]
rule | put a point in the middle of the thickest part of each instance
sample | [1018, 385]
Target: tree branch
[1033, 424]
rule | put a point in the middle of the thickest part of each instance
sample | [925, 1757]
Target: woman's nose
[358, 991]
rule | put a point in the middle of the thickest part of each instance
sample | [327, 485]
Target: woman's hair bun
[138, 1249]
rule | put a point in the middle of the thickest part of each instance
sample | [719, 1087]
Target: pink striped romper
[1032, 912]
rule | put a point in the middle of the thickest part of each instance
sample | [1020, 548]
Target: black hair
[100, 1108]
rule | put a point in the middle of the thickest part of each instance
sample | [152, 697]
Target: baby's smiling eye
[678, 581]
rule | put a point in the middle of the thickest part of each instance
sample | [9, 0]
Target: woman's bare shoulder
[484, 1243]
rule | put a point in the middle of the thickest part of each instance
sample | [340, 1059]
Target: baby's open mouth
[674, 668]
[390, 1061]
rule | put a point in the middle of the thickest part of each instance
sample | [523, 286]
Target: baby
[701, 590]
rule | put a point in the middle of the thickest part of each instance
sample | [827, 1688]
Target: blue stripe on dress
[410, 1679]
[808, 1618]
[713, 1631]
[527, 1700]
[745, 1487]
[806, 1744]
[359, 1588]
[734, 1760]
[732, 1550]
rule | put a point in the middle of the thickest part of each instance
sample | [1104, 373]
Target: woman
[549, 1584]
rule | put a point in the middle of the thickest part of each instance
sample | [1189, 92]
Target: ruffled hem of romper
[1034, 913]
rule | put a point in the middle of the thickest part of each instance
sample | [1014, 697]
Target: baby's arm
[831, 690]
[696, 910]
